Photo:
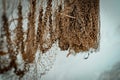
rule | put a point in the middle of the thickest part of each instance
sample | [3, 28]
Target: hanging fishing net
[31, 31]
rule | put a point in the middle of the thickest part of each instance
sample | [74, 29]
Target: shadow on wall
[118, 29]
[113, 74]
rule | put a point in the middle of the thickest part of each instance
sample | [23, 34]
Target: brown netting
[30, 31]
[79, 25]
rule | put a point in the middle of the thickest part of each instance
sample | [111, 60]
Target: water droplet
[86, 56]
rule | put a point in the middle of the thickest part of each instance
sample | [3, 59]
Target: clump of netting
[31, 30]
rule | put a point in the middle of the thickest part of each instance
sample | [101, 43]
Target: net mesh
[31, 31]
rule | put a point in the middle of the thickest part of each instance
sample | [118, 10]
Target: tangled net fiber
[30, 31]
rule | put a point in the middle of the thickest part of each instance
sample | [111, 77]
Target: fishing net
[31, 31]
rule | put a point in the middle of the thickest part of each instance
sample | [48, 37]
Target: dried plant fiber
[30, 28]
